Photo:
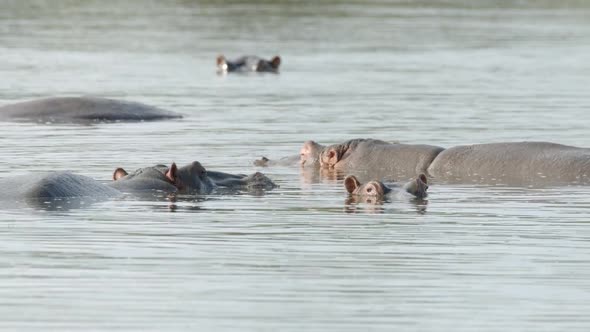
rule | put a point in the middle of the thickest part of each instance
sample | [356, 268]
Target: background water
[299, 257]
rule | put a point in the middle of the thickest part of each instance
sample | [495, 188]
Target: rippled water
[300, 257]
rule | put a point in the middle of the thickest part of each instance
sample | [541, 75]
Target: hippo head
[272, 65]
[417, 186]
[310, 154]
[191, 178]
[371, 188]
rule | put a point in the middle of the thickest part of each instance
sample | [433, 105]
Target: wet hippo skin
[82, 110]
[190, 179]
[512, 163]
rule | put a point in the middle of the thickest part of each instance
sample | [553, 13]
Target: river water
[299, 257]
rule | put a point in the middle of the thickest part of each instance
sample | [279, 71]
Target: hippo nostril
[369, 190]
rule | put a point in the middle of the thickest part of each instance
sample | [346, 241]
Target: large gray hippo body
[156, 181]
[514, 163]
[82, 110]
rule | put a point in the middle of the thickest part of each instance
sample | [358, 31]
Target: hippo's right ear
[423, 178]
[275, 62]
[351, 183]
[119, 173]
[171, 173]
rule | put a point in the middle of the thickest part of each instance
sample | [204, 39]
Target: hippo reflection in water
[149, 181]
[514, 163]
[248, 63]
[83, 110]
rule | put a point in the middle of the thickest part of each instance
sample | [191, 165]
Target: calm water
[298, 258]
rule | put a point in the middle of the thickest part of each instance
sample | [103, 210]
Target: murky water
[300, 257]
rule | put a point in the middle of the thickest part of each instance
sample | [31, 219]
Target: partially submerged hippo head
[248, 64]
[416, 187]
[191, 178]
[309, 155]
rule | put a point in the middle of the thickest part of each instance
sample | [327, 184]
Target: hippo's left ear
[330, 157]
[275, 62]
[171, 173]
[119, 173]
[351, 183]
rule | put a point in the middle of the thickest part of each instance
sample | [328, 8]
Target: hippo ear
[331, 157]
[119, 173]
[220, 60]
[423, 178]
[351, 183]
[276, 62]
[171, 173]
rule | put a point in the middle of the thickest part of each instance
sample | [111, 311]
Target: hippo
[513, 163]
[82, 110]
[416, 187]
[189, 179]
[248, 63]
[382, 159]
[38, 190]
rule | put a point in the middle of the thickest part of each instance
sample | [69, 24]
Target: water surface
[299, 257]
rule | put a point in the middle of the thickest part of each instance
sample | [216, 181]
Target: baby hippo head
[371, 188]
[310, 154]
[416, 187]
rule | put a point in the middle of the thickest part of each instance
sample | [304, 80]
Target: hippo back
[83, 110]
[516, 163]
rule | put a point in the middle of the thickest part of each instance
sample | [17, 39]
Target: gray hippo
[82, 110]
[380, 158]
[248, 63]
[40, 189]
[416, 187]
[190, 179]
[514, 163]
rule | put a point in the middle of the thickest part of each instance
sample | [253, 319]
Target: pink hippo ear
[171, 173]
[275, 62]
[119, 173]
[351, 183]
[331, 157]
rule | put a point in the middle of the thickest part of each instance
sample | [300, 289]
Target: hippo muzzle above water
[248, 63]
[416, 187]
[83, 110]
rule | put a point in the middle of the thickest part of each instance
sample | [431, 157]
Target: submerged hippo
[39, 189]
[83, 110]
[514, 163]
[248, 63]
[190, 179]
[416, 187]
